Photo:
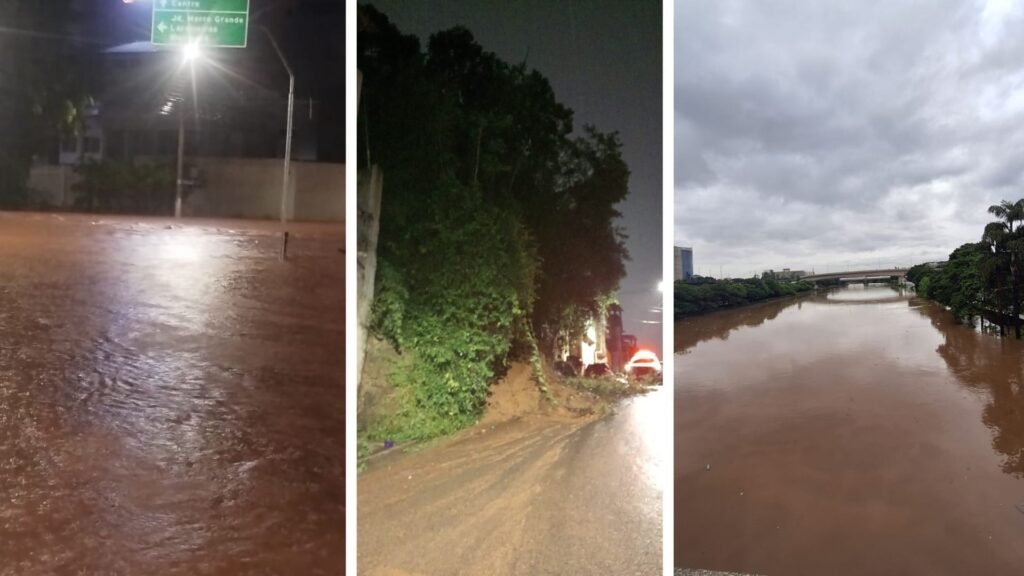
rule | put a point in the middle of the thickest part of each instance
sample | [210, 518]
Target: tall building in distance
[683, 258]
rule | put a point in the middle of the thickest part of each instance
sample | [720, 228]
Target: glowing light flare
[191, 52]
[644, 359]
[184, 248]
[649, 418]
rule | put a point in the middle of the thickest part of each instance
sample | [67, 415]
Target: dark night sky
[311, 34]
[604, 60]
[121, 22]
[112, 22]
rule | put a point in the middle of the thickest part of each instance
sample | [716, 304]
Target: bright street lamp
[191, 51]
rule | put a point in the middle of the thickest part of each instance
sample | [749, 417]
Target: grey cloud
[810, 132]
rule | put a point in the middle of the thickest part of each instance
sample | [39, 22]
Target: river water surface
[862, 431]
[171, 397]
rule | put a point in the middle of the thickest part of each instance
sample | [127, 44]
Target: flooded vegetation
[859, 431]
[171, 397]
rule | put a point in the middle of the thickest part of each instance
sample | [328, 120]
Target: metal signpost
[192, 24]
[195, 24]
[212, 23]
[288, 133]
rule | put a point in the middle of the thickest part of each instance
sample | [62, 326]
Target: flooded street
[171, 397]
[530, 496]
[858, 432]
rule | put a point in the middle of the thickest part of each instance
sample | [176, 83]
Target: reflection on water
[692, 331]
[995, 367]
[646, 418]
[857, 293]
[810, 430]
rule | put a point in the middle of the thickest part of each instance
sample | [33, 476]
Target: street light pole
[181, 162]
[288, 135]
[190, 52]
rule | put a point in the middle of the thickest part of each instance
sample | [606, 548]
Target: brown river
[171, 397]
[862, 431]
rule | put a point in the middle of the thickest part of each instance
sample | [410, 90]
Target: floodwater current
[858, 431]
[171, 397]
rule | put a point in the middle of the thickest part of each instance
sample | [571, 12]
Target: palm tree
[1009, 212]
[1002, 236]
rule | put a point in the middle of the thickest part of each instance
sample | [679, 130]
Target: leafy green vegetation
[699, 295]
[604, 387]
[497, 227]
[111, 186]
[982, 278]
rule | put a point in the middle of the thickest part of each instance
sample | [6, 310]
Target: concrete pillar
[370, 193]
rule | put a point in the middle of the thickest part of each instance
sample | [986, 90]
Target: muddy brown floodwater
[858, 432]
[171, 397]
[529, 496]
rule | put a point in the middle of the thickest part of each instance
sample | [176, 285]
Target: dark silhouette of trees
[42, 87]
[498, 219]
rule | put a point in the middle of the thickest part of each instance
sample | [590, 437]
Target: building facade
[683, 259]
[786, 275]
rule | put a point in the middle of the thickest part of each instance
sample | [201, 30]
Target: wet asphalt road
[171, 397]
[528, 497]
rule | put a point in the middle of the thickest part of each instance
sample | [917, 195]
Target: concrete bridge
[859, 275]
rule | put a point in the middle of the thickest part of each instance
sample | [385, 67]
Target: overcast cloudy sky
[828, 134]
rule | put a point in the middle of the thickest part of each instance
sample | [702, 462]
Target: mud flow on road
[171, 397]
[860, 431]
[530, 496]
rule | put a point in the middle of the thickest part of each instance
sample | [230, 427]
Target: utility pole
[288, 134]
[190, 53]
[181, 161]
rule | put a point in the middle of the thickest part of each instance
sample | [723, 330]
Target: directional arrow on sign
[162, 27]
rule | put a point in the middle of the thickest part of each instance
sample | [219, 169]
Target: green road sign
[215, 23]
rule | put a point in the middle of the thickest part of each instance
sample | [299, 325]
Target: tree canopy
[42, 86]
[982, 278]
[699, 295]
[498, 229]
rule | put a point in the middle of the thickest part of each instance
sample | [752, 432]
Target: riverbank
[782, 298]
